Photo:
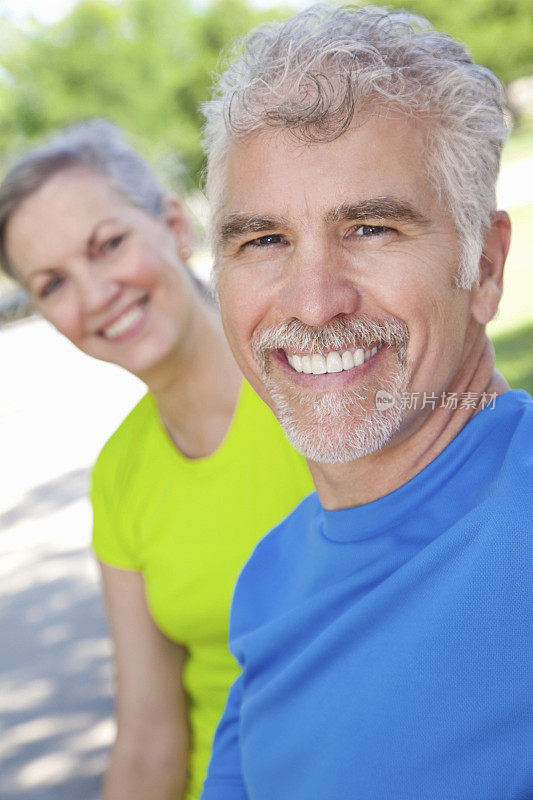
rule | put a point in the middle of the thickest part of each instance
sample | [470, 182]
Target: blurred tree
[498, 33]
[144, 64]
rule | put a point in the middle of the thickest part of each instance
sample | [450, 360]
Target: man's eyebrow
[382, 208]
[236, 225]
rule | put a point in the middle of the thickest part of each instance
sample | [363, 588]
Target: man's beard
[343, 425]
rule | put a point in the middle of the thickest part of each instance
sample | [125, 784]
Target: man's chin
[336, 428]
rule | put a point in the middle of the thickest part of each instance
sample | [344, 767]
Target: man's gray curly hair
[318, 71]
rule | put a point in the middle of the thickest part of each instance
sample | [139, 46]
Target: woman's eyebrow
[48, 268]
[94, 233]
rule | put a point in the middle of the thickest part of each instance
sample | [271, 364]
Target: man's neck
[417, 444]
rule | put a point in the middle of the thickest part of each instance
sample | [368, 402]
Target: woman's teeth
[123, 324]
[318, 364]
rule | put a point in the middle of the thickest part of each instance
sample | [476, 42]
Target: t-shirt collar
[362, 522]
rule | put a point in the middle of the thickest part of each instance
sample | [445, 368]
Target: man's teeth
[124, 323]
[331, 362]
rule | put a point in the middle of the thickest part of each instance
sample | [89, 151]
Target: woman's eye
[267, 241]
[113, 243]
[51, 286]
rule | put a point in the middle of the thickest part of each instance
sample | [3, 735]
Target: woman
[195, 474]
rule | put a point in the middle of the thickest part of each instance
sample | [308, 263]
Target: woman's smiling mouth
[127, 323]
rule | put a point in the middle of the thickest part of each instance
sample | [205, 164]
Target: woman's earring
[185, 253]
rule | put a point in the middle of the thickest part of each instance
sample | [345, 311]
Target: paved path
[57, 407]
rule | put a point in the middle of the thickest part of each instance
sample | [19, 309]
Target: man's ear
[177, 221]
[486, 295]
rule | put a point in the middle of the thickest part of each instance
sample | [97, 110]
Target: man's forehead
[369, 129]
[371, 156]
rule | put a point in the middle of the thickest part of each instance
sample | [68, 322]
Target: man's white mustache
[340, 333]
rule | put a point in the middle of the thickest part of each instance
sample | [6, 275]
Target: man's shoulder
[523, 404]
[501, 430]
[287, 535]
[282, 542]
[497, 478]
[517, 467]
[519, 403]
[515, 428]
[270, 569]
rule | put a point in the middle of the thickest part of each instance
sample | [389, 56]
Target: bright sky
[43, 10]
[51, 10]
[47, 11]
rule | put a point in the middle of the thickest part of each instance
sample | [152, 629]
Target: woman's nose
[97, 291]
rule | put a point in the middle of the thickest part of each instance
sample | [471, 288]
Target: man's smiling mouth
[333, 361]
[333, 355]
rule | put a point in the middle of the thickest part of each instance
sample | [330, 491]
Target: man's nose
[318, 287]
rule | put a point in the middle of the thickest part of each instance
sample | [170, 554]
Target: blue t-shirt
[386, 649]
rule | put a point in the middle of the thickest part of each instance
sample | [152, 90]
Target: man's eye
[369, 230]
[51, 286]
[267, 240]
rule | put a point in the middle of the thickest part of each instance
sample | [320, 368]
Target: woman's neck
[197, 387]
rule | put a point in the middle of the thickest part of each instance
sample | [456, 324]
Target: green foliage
[513, 357]
[147, 64]
[498, 33]
[144, 64]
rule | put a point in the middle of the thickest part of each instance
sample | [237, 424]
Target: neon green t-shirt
[188, 526]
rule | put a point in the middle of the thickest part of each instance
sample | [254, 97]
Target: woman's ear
[486, 295]
[178, 223]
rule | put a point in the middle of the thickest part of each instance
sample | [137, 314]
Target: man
[383, 628]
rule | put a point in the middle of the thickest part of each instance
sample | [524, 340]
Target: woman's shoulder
[253, 418]
[139, 424]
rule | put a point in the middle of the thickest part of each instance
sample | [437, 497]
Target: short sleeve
[112, 537]
[224, 777]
